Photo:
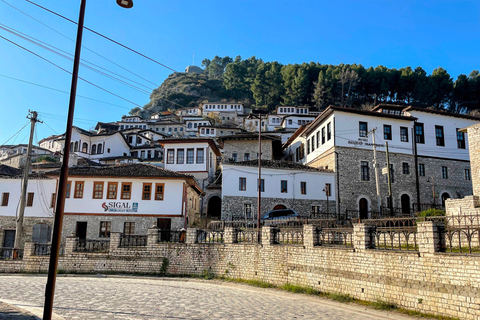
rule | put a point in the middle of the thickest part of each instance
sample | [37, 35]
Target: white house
[291, 110]
[209, 107]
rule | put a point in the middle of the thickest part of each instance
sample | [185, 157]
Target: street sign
[385, 170]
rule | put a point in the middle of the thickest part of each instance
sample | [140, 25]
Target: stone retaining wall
[423, 280]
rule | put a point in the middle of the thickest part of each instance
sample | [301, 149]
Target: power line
[16, 133]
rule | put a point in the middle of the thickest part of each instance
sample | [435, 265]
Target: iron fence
[288, 236]
[132, 241]
[92, 246]
[209, 236]
[394, 238]
[334, 237]
[171, 236]
[247, 236]
[11, 254]
[458, 234]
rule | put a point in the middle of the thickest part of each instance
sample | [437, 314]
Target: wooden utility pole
[259, 205]
[26, 170]
[375, 166]
[389, 179]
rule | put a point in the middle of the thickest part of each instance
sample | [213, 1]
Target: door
[81, 230]
[363, 208]
[445, 196]
[405, 200]
[165, 226]
[9, 239]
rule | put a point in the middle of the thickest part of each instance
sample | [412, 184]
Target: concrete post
[363, 237]
[268, 235]
[309, 236]
[152, 237]
[230, 235]
[70, 243]
[191, 235]
[428, 237]
[114, 241]
[28, 249]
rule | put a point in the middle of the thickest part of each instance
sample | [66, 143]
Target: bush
[431, 213]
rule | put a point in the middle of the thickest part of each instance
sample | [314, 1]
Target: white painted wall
[321, 147]
[42, 198]
[209, 107]
[315, 183]
[193, 166]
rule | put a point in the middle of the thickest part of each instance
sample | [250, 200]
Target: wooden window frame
[180, 159]
[190, 160]
[129, 192]
[129, 228]
[149, 192]
[78, 183]
[157, 193]
[5, 198]
[283, 186]
[303, 187]
[53, 200]
[95, 184]
[200, 155]
[69, 189]
[108, 228]
[30, 197]
[108, 190]
[242, 184]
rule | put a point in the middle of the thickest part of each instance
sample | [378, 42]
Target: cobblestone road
[156, 298]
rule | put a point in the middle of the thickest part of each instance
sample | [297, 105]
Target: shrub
[431, 213]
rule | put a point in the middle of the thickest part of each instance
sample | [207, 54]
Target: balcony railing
[210, 236]
[92, 245]
[166, 236]
[288, 236]
[11, 254]
[132, 241]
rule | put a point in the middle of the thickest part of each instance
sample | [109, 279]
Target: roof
[210, 142]
[327, 112]
[9, 171]
[443, 113]
[272, 164]
[118, 158]
[248, 136]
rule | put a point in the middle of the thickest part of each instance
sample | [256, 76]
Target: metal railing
[171, 236]
[11, 254]
[288, 236]
[247, 236]
[458, 234]
[132, 241]
[394, 238]
[92, 246]
[209, 236]
[334, 237]
[42, 249]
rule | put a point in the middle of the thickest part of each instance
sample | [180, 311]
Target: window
[318, 140]
[30, 196]
[159, 188]
[421, 169]
[97, 190]
[129, 228]
[313, 143]
[439, 136]
[190, 155]
[405, 168]
[234, 157]
[328, 189]
[112, 190]
[303, 187]
[126, 190]
[84, 147]
[200, 155]
[247, 209]
[362, 129]
[99, 149]
[53, 199]
[76, 146]
[242, 184]
[78, 190]
[94, 149]
[283, 186]
[5, 197]
[323, 135]
[364, 171]
[329, 131]
[170, 156]
[315, 209]
[308, 146]
[391, 174]
[262, 185]
[69, 186]
[105, 227]
[419, 134]
[403, 134]
[147, 191]
[444, 172]
[180, 156]
[387, 132]
[467, 174]
[460, 140]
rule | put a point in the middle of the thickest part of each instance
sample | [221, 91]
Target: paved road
[157, 298]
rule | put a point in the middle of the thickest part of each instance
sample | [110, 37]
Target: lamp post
[62, 180]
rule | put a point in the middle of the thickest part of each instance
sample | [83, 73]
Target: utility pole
[259, 205]
[375, 166]
[417, 182]
[389, 179]
[26, 170]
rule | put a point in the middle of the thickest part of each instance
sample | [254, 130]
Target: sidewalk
[11, 312]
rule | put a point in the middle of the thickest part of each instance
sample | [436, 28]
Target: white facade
[42, 190]
[315, 183]
[189, 112]
[274, 121]
[194, 124]
[295, 122]
[290, 110]
[208, 107]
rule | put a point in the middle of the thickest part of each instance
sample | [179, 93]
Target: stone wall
[423, 280]
[233, 207]
[240, 147]
[8, 223]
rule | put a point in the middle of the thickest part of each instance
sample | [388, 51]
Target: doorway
[405, 202]
[9, 239]
[165, 225]
[363, 208]
[214, 209]
[445, 196]
[81, 230]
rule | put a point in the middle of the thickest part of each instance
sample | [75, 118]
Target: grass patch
[253, 283]
[382, 305]
[344, 298]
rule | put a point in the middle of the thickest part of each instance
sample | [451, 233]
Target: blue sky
[390, 33]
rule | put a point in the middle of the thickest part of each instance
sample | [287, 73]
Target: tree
[268, 85]
[348, 79]
[441, 87]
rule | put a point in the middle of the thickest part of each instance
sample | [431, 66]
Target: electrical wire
[26, 124]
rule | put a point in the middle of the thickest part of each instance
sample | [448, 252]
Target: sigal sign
[119, 206]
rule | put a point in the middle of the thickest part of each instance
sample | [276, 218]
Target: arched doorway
[445, 196]
[405, 201]
[214, 207]
[363, 208]
[279, 206]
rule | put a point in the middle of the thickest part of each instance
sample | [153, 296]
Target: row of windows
[242, 186]
[196, 124]
[95, 149]
[222, 106]
[365, 171]
[292, 110]
[140, 126]
[207, 131]
[181, 156]
[314, 141]
[6, 198]
[246, 156]
[112, 190]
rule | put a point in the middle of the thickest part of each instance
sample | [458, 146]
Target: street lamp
[62, 180]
